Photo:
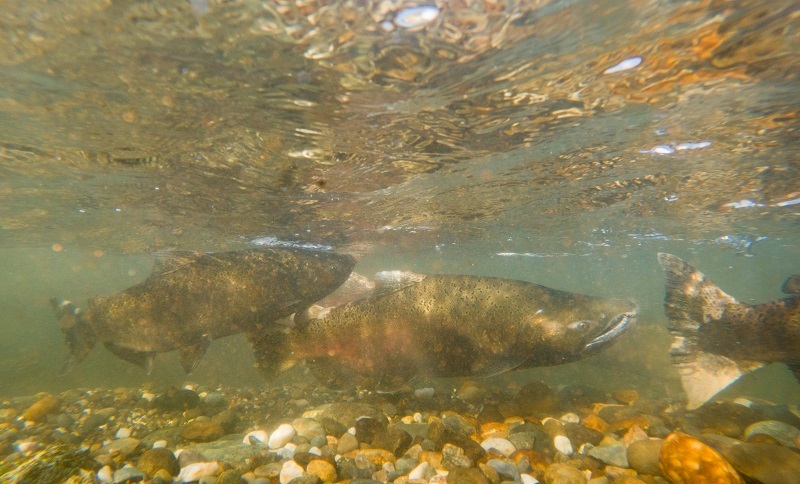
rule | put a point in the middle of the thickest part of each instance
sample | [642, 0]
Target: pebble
[308, 428]
[610, 452]
[39, 410]
[198, 470]
[127, 473]
[424, 393]
[123, 433]
[127, 446]
[106, 474]
[323, 469]
[256, 437]
[564, 474]
[202, 431]
[504, 446]
[154, 460]
[419, 471]
[347, 443]
[281, 436]
[289, 471]
[563, 444]
[643, 456]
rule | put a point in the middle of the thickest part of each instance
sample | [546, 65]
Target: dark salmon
[440, 325]
[717, 339]
[192, 299]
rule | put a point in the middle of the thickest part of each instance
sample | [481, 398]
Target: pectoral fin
[191, 355]
[497, 366]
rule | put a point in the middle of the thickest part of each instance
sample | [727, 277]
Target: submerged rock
[686, 459]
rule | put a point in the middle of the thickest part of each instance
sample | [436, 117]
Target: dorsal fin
[171, 260]
[390, 281]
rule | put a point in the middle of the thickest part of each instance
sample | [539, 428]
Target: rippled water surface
[560, 142]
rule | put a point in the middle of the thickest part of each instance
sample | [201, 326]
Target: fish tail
[79, 334]
[691, 302]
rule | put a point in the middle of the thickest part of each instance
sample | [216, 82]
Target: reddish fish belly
[370, 352]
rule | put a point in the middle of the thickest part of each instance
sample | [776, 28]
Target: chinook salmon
[193, 298]
[442, 325]
[717, 339]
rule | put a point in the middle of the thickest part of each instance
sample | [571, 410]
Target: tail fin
[691, 302]
[80, 336]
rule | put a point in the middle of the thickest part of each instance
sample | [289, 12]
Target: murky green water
[491, 140]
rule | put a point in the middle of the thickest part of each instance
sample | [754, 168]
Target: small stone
[626, 396]
[281, 436]
[127, 473]
[106, 474]
[323, 469]
[231, 476]
[126, 447]
[643, 456]
[504, 446]
[289, 471]
[563, 445]
[612, 453]
[579, 434]
[419, 471]
[347, 443]
[424, 393]
[686, 459]
[634, 434]
[198, 470]
[505, 470]
[256, 437]
[202, 431]
[41, 408]
[467, 476]
[154, 460]
[191, 456]
[376, 457]
[123, 433]
[594, 422]
[308, 428]
[564, 474]
[214, 399]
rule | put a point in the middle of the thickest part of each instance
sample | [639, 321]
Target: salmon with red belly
[192, 299]
[448, 325]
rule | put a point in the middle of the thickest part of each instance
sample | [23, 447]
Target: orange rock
[434, 459]
[377, 457]
[494, 429]
[40, 409]
[626, 423]
[685, 459]
[594, 422]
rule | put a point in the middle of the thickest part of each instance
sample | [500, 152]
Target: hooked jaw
[611, 332]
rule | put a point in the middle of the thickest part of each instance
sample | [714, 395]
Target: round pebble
[256, 437]
[504, 446]
[281, 436]
[289, 471]
[686, 459]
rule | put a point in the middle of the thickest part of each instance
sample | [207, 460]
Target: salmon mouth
[611, 332]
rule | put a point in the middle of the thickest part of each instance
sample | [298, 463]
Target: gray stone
[614, 454]
[127, 473]
[504, 469]
[127, 446]
[643, 456]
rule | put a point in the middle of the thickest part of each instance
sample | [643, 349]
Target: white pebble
[528, 479]
[351, 431]
[105, 474]
[424, 393]
[570, 418]
[123, 433]
[418, 472]
[198, 470]
[315, 451]
[628, 63]
[287, 452]
[417, 417]
[562, 444]
[257, 435]
[503, 446]
[282, 435]
[290, 470]
[159, 444]
[148, 396]
[415, 17]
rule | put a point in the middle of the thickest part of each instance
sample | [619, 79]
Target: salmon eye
[579, 325]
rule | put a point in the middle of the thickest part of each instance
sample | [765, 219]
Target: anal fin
[191, 355]
[706, 374]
